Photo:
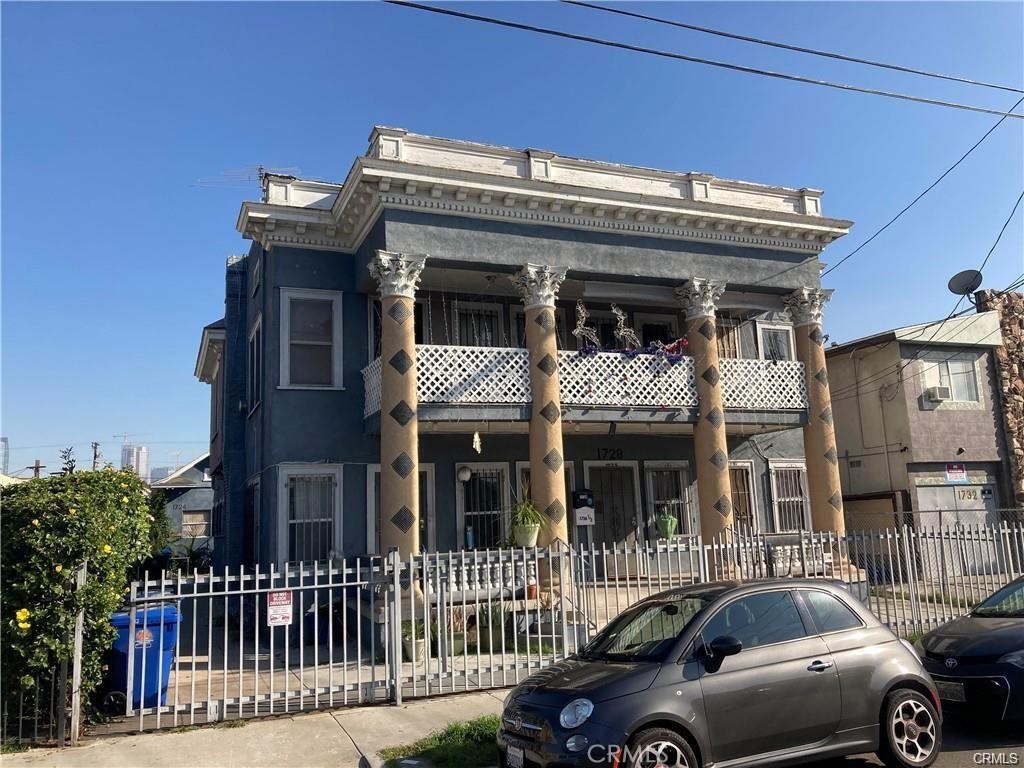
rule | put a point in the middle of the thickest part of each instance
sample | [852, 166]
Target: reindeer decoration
[582, 330]
[626, 336]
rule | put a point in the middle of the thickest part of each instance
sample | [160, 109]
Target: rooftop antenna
[243, 176]
[965, 283]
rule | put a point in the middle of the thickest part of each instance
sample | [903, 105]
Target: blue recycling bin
[156, 635]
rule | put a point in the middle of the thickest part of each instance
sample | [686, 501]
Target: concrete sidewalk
[346, 738]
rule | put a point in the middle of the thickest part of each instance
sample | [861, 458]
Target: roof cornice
[412, 172]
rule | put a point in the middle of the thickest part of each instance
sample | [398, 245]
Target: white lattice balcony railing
[500, 376]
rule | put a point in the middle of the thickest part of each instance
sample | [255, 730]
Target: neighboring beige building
[919, 425]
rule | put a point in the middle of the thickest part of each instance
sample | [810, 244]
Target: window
[830, 614]
[427, 532]
[776, 341]
[958, 374]
[421, 325]
[668, 492]
[789, 494]
[311, 339]
[479, 325]
[311, 497]
[216, 401]
[484, 503]
[195, 523]
[257, 275]
[742, 495]
[645, 631]
[255, 380]
[728, 333]
[652, 328]
[761, 619]
[217, 518]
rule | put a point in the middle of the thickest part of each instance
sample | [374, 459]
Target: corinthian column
[805, 306]
[698, 297]
[397, 276]
[538, 285]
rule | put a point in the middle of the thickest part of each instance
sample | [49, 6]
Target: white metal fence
[382, 629]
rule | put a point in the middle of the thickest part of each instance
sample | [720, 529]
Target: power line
[1001, 231]
[927, 189]
[789, 47]
[694, 59]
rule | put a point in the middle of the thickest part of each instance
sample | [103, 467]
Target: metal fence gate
[258, 642]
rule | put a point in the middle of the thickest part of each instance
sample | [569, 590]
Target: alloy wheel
[913, 731]
[660, 754]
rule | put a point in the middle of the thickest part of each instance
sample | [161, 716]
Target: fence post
[394, 609]
[909, 556]
[76, 661]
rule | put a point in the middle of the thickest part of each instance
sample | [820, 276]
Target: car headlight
[575, 713]
[1016, 658]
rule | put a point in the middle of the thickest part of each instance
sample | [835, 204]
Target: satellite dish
[963, 283]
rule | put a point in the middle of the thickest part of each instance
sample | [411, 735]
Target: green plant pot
[667, 527]
[414, 649]
[525, 535]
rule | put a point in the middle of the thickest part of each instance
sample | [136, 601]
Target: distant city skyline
[136, 457]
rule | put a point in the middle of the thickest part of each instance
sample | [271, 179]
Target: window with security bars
[311, 516]
[790, 496]
[728, 334]
[958, 375]
[742, 509]
[485, 508]
[195, 523]
[668, 495]
[479, 327]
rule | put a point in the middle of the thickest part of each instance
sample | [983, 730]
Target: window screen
[959, 376]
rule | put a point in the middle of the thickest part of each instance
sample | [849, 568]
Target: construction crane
[125, 435]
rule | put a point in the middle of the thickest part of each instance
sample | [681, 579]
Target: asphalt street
[965, 745]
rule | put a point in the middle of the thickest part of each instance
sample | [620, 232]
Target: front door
[615, 513]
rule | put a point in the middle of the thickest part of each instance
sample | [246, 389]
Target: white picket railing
[500, 376]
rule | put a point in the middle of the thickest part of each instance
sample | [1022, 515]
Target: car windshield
[1008, 602]
[646, 631]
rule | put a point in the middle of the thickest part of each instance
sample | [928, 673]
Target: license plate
[514, 757]
[951, 691]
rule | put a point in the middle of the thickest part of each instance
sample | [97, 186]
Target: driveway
[965, 745]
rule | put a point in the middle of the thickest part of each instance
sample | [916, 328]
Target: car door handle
[820, 666]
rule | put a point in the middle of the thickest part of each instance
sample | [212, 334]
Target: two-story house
[919, 427]
[458, 325]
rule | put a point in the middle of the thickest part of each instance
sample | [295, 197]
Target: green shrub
[48, 527]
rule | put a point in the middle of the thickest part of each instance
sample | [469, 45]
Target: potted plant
[667, 524]
[456, 629]
[413, 645]
[526, 523]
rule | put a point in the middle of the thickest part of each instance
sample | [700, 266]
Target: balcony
[499, 376]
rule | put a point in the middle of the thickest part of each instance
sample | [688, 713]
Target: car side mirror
[726, 645]
[714, 653]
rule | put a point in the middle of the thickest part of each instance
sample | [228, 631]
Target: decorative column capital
[699, 296]
[397, 274]
[807, 305]
[538, 284]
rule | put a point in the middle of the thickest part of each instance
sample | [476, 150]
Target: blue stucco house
[671, 320]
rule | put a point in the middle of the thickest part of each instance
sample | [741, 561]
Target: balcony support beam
[806, 306]
[538, 285]
[397, 276]
[699, 297]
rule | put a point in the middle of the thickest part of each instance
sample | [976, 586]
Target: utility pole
[95, 455]
[36, 468]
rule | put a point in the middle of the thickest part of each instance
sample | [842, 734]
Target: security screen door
[615, 512]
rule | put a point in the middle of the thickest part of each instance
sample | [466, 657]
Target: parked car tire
[911, 734]
[660, 746]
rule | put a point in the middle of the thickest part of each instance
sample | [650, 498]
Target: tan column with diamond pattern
[806, 306]
[538, 285]
[699, 297]
[397, 275]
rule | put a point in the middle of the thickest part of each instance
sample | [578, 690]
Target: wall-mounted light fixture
[464, 473]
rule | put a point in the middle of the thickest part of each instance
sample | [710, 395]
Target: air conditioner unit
[937, 394]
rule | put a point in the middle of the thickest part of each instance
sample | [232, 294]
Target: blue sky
[113, 255]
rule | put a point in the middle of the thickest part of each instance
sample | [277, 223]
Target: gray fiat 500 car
[729, 674]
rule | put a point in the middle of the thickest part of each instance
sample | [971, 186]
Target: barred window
[789, 492]
[312, 503]
[485, 498]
